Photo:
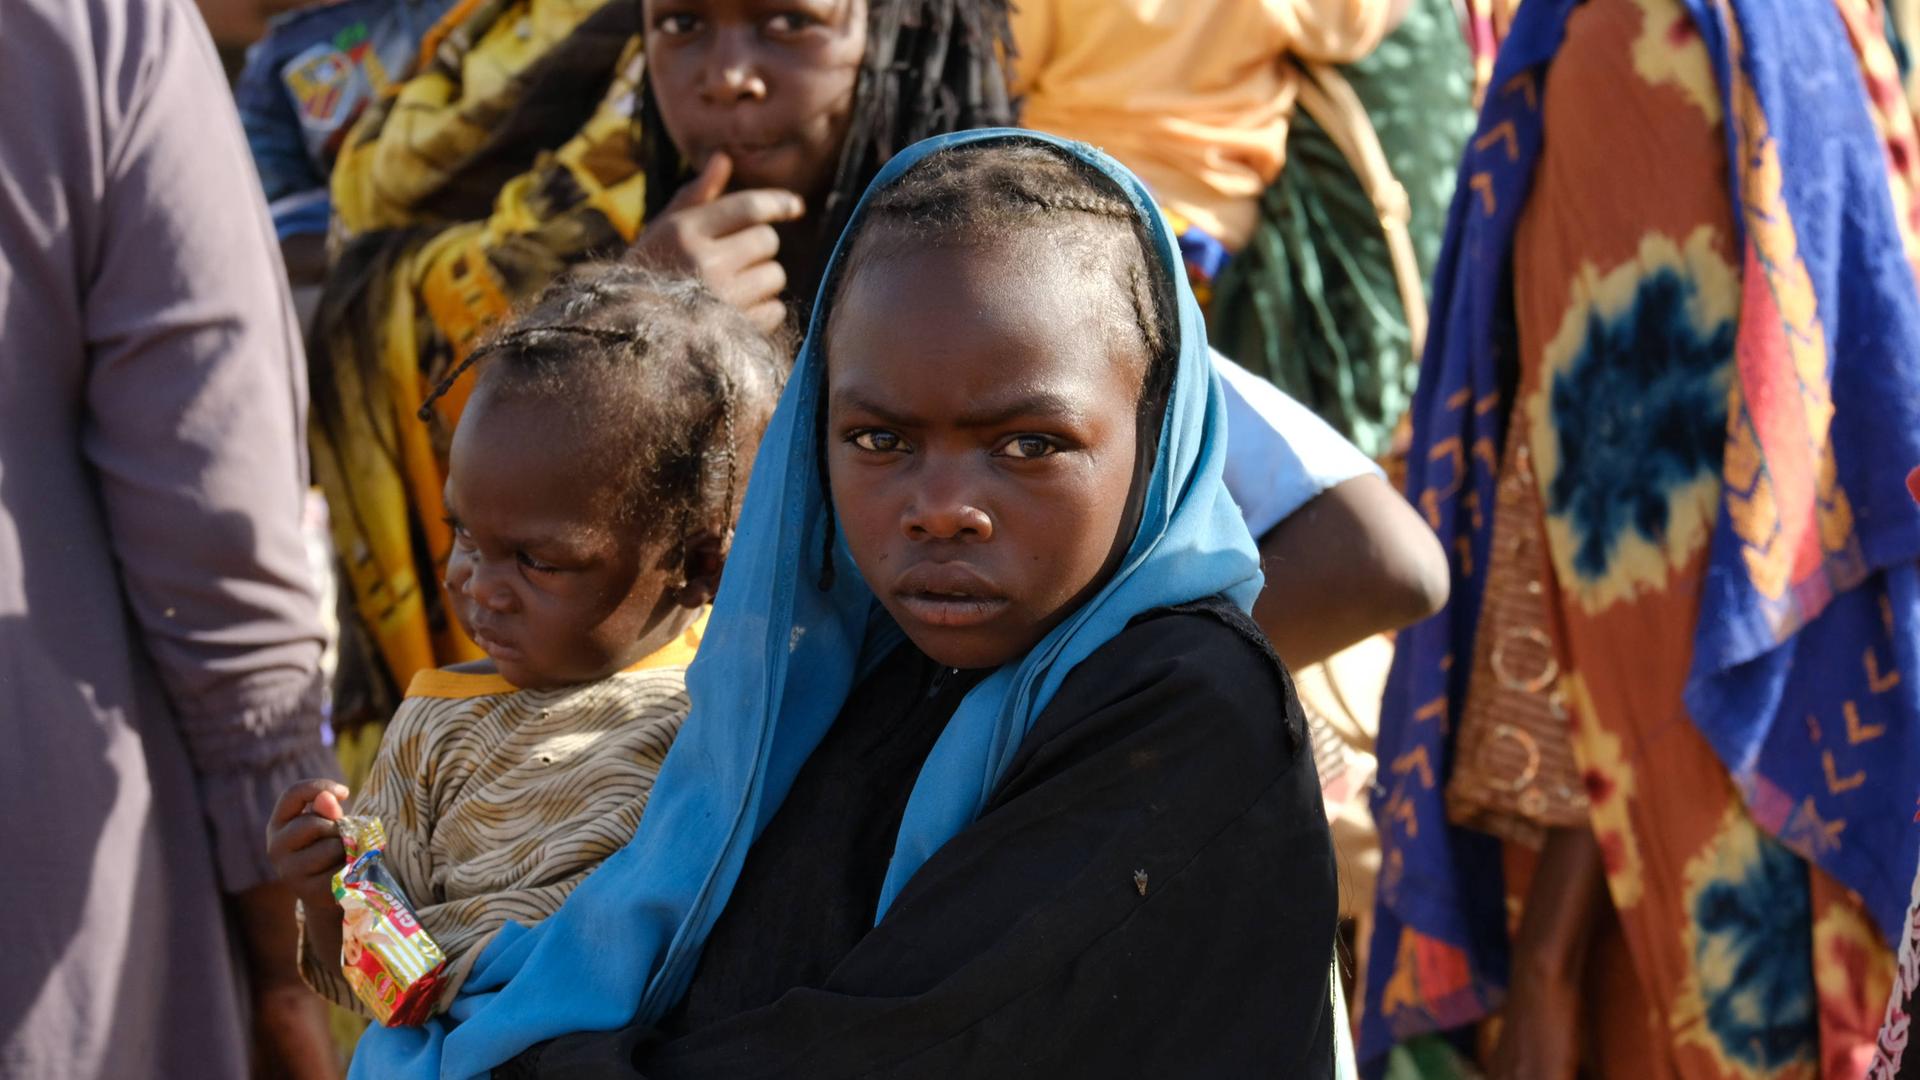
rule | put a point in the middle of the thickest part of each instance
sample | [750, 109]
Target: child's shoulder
[474, 688]
[1205, 662]
[1206, 644]
[457, 682]
[638, 692]
[440, 694]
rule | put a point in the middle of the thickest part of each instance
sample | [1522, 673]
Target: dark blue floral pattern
[1640, 412]
[1753, 956]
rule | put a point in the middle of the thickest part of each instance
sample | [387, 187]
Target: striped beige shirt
[497, 801]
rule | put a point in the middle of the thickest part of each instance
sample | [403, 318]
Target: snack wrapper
[393, 965]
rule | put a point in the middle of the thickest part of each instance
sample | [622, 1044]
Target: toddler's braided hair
[680, 382]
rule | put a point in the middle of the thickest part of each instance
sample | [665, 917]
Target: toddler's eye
[536, 565]
[676, 25]
[875, 440]
[460, 534]
[1025, 447]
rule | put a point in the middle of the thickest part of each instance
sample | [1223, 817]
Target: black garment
[830, 840]
[1149, 892]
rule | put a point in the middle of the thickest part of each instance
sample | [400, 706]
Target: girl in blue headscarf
[988, 771]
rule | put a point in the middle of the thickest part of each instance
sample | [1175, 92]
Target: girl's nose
[732, 76]
[946, 512]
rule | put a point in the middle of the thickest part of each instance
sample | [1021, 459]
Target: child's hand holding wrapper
[353, 906]
[303, 843]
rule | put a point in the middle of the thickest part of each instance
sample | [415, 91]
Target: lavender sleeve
[194, 428]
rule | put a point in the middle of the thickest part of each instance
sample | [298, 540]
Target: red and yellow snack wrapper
[389, 960]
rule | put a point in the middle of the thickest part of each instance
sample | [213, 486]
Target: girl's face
[768, 82]
[544, 577]
[981, 440]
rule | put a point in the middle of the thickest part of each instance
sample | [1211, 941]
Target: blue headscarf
[780, 657]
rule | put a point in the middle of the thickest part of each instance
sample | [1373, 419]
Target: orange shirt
[1193, 95]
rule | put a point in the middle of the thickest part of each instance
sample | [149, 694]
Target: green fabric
[1311, 302]
[1428, 1057]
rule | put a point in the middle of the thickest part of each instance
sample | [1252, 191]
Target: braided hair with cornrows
[983, 194]
[679, 380]
[930, 67]
[989, 193]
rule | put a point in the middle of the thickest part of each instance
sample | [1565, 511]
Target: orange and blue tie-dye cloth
[1720, 408]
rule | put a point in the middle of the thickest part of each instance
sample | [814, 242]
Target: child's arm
[1567, 899]
[1354, 562]
[1345, 556]
[394, 793]
[304, 845]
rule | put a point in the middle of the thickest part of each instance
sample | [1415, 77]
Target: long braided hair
[931, 67]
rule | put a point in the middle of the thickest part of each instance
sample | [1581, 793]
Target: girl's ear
[705, 556]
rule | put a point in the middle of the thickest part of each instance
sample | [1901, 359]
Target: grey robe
[159, 635]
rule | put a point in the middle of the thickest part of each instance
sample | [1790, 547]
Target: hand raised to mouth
[725, 238]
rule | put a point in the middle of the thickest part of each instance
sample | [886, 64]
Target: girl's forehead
[1013, 324]
[1024, 282]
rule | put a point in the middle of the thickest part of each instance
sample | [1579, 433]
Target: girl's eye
[676, 25]
[1026, 447]
[880, 442]
[536, 565]
[792, 22]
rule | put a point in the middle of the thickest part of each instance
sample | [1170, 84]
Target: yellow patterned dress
[509, 157]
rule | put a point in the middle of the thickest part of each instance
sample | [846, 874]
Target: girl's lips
[948, 594]
[953, 612]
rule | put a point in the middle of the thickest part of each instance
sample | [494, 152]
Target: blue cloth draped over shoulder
[1811, 597]
[780, 657]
